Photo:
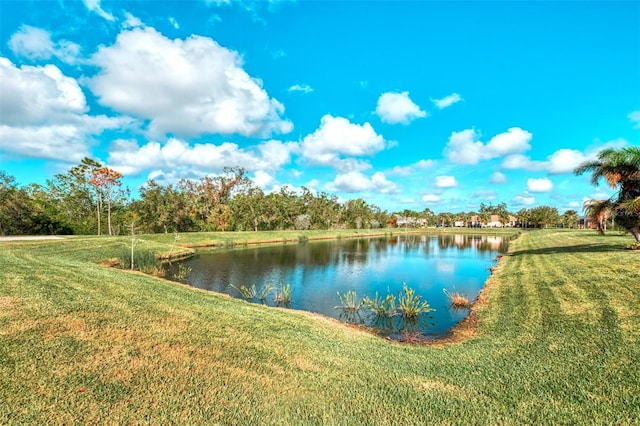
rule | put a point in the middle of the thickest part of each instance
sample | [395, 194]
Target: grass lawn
[557, 342]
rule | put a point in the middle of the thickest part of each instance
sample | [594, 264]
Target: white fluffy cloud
[43, 114]
[465, 147]
[635, 119]
[520, 161]
[539, 185]
[338, 137]
[357, 182]
[396, 108]
[498, 178]
[447, 101]
[38, 95]
[562, 161]
[185, 87]
[446, 182]
[129, 158]
[523, 200]
[36, 44]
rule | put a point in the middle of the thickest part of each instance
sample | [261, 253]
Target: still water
[317, 271]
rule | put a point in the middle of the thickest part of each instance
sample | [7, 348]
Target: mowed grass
[558, 342]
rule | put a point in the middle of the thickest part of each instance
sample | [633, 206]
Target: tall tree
[570, 218]
[73, 199]
[107, 183]
[621, 170]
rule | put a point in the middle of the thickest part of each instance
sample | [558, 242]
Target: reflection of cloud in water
[445, 267]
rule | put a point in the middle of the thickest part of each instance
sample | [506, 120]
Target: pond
[315, 272]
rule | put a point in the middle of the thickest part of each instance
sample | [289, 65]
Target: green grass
[558, 342]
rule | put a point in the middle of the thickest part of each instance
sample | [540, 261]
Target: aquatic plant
[182, 272]
[410, 304]
[457, 299]
[350, 305]
[264, 292]
[246, 292]
[381, 307]
[283, 295]
[349, 301]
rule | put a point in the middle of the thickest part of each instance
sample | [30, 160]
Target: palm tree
[598, 211]
[621, 170]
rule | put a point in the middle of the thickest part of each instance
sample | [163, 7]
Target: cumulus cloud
[446, 182]
[43, 114]
[447, 101]
[304, 88]
[523, 200]
[498, 178]
[539, 185]
[396, 108]
[129, 158]
[338, 137]
[430, 198]
[465, 147]
[520, 161]
[185, 87]
[94, 6]
[262, 179]
[358, 182]
[635, 119]
[36, 44]
[37, 95]
[562, 161]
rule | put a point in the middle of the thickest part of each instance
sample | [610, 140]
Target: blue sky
[411, 105]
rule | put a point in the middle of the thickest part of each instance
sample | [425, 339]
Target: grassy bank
[558, 341]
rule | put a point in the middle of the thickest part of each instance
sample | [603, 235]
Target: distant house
[405, 222]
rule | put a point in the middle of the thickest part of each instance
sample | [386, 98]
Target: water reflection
[317, 271]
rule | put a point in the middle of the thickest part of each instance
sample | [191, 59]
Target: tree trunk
[98, 209]
[109, 216]
[636, 233]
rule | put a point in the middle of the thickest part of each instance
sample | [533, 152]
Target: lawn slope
[558, 341]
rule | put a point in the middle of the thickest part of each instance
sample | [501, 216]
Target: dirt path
[30, 238]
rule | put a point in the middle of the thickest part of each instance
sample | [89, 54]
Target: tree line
[90, 199]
